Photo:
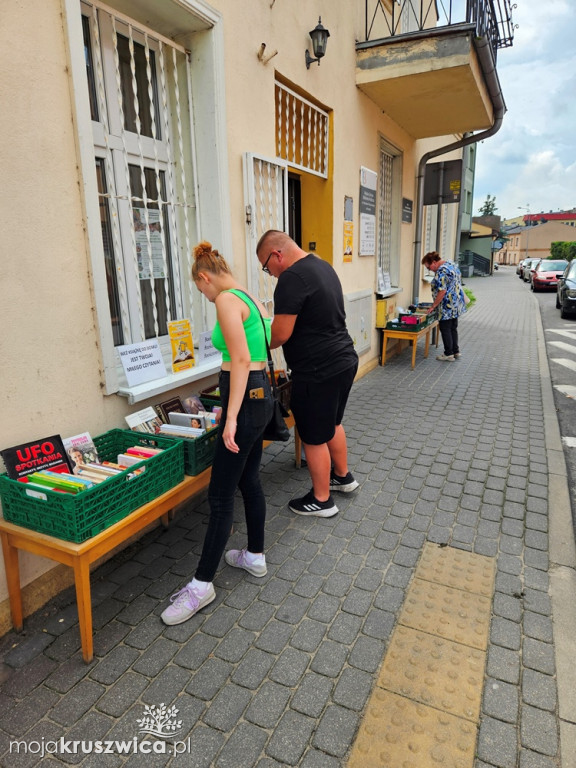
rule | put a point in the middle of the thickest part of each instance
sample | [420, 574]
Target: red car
[545, 274]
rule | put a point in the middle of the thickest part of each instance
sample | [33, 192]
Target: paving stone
[292, 609]
[109, 637]
[539, 690]
[500, 700]
[227, 707]
[312, 695]
[538, 656]
[166, 685]
[20, 717]
[537, 601]
[497, 743]
[253, 668]
[329, 658]
[345, 628]
[539, 731]
[67, 675]
[114, 665]
[28, 649]
[353, 689]
[307, 636]
[316, 759]
[209, 679]
[507, 607]
[268, 705]
[503, 664]
[336, 730]
[122, 695]
[205, 743]
[290, 737]
[22, 682]
[534, 760]
[246, 741]
[195, 651]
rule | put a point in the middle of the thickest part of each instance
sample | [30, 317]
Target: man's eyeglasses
[265, 265]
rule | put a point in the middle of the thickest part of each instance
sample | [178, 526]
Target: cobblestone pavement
[277, 671]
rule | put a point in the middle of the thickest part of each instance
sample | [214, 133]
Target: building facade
[533, 241]
[139, 128]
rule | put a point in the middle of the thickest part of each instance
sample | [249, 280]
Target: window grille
[385, 213]
[301, 132]
[138, 84]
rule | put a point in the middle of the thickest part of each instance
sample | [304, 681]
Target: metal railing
[389, 18]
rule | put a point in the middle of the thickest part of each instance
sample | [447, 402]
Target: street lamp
[527, 209]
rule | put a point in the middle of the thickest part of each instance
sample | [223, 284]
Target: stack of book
[88, 475]
[175, 418]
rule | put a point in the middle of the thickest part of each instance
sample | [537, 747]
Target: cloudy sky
[531, 161]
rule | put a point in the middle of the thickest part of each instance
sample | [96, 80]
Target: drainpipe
[486, 60]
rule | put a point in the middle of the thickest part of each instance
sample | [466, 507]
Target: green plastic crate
[199, 452]
[77, 518]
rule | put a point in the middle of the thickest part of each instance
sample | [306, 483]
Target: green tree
[488, 207]
[563, 249]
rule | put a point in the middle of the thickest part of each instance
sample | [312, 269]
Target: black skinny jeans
[237, 470]
[449, 332]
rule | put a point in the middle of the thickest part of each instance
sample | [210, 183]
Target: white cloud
[531, 160]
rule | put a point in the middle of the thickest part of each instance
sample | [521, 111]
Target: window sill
[388, 292]
[158, 386]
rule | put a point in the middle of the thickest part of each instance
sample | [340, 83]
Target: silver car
[528, 265]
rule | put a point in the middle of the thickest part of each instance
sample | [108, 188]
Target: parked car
[546, 273]
[566, 291]
[528, 265]
[519, 268]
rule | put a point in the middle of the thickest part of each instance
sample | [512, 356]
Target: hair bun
[202, 249]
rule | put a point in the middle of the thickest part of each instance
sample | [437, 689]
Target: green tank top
[253, 329]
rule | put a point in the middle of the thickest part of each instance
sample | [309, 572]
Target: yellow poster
[348, 240]
[182, 345]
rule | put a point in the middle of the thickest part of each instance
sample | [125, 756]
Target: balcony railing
[491, 18]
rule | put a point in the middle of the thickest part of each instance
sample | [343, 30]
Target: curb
[562, 551]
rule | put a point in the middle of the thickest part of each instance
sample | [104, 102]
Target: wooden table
[80, 556]
[411, 336]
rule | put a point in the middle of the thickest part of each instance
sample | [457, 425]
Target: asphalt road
[560, 339]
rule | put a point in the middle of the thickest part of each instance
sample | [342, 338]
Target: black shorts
[318, 407]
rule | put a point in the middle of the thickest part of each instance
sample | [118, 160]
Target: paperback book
[146, 420]
[46, 453]
[80, 450]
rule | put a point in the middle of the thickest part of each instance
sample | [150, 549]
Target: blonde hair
[208, 260]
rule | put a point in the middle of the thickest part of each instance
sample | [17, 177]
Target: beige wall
[534, 242]
[52, 363]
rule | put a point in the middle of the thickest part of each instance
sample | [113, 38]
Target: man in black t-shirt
[310, 325]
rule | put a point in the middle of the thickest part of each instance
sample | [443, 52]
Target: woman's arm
[230, 310]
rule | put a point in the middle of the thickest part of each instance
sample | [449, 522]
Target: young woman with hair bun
[246, 409]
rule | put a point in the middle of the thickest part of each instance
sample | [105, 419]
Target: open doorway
[295, 208]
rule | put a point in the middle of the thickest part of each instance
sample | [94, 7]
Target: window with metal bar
[139, 102]
[389, 211]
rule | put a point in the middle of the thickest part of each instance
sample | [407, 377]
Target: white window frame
[201, 25]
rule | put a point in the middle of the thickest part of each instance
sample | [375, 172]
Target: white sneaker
[238, 558]
[185, 604]
[445, 358]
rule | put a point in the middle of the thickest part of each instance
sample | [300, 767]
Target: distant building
[533, 241]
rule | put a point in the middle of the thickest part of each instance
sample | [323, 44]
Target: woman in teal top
[246, 410]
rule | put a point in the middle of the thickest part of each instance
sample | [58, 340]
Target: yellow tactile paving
[434, 671]
[425, 708]
[450, 613]
[399, 733]
[458, 569]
